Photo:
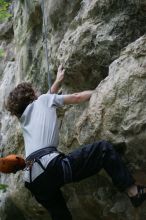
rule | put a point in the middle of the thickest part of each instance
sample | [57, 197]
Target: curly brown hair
[19, 98]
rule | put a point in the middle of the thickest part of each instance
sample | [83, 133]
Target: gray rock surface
[102, 45]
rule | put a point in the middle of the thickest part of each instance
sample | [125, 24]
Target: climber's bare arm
[59, 78]
[72, 98]
[77, 98]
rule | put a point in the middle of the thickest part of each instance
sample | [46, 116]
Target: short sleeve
[52, 100]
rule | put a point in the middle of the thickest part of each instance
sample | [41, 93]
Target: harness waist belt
[35, 157]
[41, 152]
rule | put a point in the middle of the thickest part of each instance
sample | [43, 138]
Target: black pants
[84, 162]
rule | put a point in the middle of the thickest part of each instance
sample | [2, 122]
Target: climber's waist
[37, 162]
[42, 152]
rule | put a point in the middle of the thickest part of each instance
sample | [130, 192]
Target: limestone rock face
[102, 45]
[116, 112]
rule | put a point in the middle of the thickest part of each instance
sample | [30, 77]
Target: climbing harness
[37, 155]
[46, 43]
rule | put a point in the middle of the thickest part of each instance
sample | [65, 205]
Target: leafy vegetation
[3, 187]
[4, 10]
[2, 53]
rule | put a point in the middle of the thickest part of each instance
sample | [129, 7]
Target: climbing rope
[46, 43]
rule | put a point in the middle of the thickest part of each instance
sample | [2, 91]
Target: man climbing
[47, 168]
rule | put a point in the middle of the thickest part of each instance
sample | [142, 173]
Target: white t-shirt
[39, 123]
[40, 128]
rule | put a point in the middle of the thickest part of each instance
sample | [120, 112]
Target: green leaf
[4, 10]
[2, 53]
[3, 187]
